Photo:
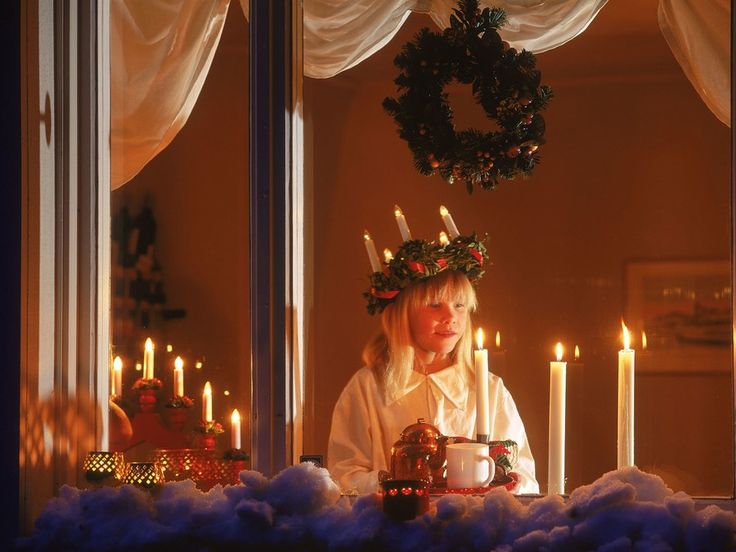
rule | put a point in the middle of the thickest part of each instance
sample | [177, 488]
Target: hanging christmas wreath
[504, 82]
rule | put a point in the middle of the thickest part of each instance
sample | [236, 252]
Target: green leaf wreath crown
[417, 260]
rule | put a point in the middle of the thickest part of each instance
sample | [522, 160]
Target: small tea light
[144, 474]
[99, 465]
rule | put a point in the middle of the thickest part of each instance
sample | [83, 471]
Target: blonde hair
[390, 353]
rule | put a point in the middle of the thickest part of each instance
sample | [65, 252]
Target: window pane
[180, 235]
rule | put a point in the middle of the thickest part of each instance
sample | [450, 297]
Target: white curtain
[162, 50]
[339, 34]
[699, 34]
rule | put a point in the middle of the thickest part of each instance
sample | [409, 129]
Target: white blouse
[365, 424]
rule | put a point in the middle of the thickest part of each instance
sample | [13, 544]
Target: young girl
[419, 366]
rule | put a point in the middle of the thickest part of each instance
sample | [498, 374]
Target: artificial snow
[301, 509]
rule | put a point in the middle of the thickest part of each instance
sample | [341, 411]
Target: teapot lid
[420, 433]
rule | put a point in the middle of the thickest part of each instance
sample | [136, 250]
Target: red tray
[509, 482]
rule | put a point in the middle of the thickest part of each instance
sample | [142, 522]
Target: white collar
[448, 381]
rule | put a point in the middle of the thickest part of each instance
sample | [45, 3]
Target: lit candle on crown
[444, 240]
[401, 221]
[178, 377]
[449, 222]
[235, 429]
[148, 359]
[370, 248]
[481, 388]
[625, 441]
[117, 377]
[207, 403]
[557, 392]
[387, 255]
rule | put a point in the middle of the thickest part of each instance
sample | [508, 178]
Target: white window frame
[65, 280]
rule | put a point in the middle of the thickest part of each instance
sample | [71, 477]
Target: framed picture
[680, 303]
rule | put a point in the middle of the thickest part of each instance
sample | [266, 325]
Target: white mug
[469, 466]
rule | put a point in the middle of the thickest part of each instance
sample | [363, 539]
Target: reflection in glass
[180, 242]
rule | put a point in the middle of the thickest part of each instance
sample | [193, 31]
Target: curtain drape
[699, 34]
[162, 50]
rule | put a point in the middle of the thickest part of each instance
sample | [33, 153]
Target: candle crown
[416, 260]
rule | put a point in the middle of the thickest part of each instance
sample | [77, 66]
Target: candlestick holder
[176, 412]
[405, 499]
[100, 466]
[235, 461]
[205, 434]
[146, 389]
[146, 475]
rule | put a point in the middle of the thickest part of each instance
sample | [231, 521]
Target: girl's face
[437, 326]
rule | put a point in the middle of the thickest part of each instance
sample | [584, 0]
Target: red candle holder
[405, 499]
[147, 400]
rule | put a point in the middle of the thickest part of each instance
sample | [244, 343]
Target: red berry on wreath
[434, 163]
[527, 120]
[513, 151]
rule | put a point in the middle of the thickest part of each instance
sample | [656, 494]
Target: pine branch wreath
[504, 82]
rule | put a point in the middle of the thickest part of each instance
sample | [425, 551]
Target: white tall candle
[557, 392]
[370, 247]
[117, 377]
[148, 360]
[207, 403]
[625, 441]
[401, 221]
[235, 429]
[449, 222]
[481, 389]
[178, 377]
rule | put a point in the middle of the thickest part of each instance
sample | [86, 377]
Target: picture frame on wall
[680, 303]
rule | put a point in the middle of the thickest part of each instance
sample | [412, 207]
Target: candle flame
[198, 364]
[149, 345]
[627, 337]
[117, 364]
[443, 211]
[138, 366]
[397, 211]
[169, 348]
[178, 363]
[559, 351]
[498, 339]
[366, 235]
[479, 338]
[444, 240]
[643, 339]
[577, 353]
[208, 389]
[226, 393]
[235, 416]
[387, 255]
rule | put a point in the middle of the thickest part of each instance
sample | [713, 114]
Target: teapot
[419, 454]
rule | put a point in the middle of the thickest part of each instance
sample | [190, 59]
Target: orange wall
[635, 167]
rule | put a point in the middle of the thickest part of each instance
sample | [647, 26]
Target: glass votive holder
[144, 474]
[405, 499]
[101, 465]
